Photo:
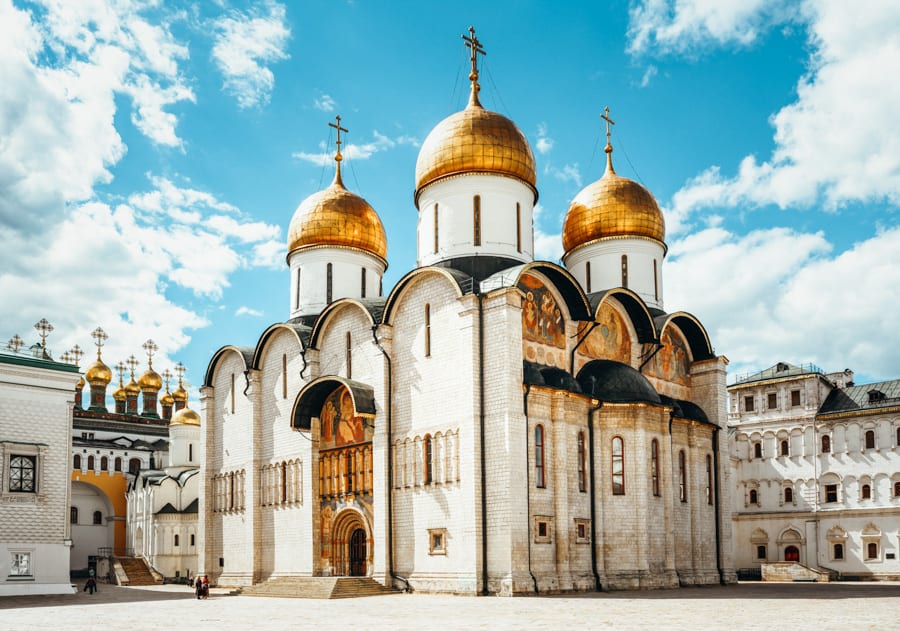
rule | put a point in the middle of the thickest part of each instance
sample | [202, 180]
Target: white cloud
[247, 311]
[245, 44]
[544, 143]
[565, 173]
[352, 151]
[324, 103]
[649, 73]
[547, 246]
[778, 294]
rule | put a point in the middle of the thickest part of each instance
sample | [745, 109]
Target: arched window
[826, 444]
[788, 495]
[709, 480]
[297, 297]
[192, 540]
[98, 518]
[654, 465]
[754, 496]
[539, 456]
[90, 463]
[348, 471]
[176, 541]
[870, 439]
[117, 464]
[618, 466]
[427, 330]
[328, 282]
[428, 459]
[284, 482]
[838, 551]
[284, 376]
[436, 229]
[104, 463]
[682, 476]
[518, 227]
[190, 452]
[896, 489]
[866, 492]
[655, 282]
[587, 276]
[73, 515]
[76, 461]
[625, 271]
[134, 466]
[349, 356]
[898, 436]
[871, 551]
[792, 553]
[757, 450]
[784, 448]
[232, 393]
[582, 482]
[362, 283]
[476, 220]
[22, 470]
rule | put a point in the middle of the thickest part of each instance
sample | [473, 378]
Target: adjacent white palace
[495, 424]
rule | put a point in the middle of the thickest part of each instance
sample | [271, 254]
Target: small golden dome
[120, 394]
[167, 399]
[150, 380]
[613, 206]
[185, 416]
[132, 389]
[98, 373]
[337, 217]
[475, 140]
[180, 393]
[80, 384]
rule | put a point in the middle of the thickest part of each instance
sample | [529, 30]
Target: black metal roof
[614, 382]
[869, 396]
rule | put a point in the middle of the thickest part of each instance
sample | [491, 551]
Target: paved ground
[838, 606]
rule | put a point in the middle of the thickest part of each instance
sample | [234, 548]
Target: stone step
[322, 587]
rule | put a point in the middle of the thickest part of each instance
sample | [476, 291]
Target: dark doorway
[358, 552]
[791, 553]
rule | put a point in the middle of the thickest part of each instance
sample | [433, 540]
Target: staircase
[136, 571]
[323, 587]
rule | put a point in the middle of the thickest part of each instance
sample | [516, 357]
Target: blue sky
[152, 155]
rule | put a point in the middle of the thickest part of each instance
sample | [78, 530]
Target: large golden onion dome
[98, 373]
[475, 140]
[150, 380]
[613, 206]
[337, 217]
[185, 416]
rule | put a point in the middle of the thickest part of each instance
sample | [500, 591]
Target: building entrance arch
[792, 553]
[352, 544]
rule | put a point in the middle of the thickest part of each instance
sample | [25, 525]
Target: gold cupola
[185, 416]
[475, 140]
[336, 217]
[612, 207]
[98, 374]
[150, 382]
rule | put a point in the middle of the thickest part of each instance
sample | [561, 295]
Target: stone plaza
[838, 606]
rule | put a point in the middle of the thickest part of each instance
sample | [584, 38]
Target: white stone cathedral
[495, 424]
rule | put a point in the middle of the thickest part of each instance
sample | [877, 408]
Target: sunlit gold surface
[180, 394]
[98, 374]
[613, 206]
[150, 380]
[167, 399]
[185, 416]
[80, 384]
[475, 139]
[336, 216]
[120, 394]
[132, 389]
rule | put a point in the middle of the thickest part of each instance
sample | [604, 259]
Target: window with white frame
[22, 470]
[20, 564]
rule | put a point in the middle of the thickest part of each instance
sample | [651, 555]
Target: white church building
[494, 424]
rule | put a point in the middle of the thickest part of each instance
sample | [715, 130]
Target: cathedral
[494, 424]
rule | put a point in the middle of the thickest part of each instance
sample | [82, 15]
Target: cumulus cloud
[246, 43]
[565, 173]
[247, 311]
[353, 151]
[544, 142]
[547, 246]
[324, 103]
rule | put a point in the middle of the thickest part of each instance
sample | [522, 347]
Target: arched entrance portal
[792, 553]
[351, 545]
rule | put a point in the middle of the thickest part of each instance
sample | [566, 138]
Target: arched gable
[694, 332]
[636, 309]
[301, 333]
[461, 283]
[245, 353]
[312, 397]
[564, 283]
[373, 310]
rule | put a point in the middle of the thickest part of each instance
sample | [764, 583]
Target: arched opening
[358, 552]
[351, 545]
[792, 553]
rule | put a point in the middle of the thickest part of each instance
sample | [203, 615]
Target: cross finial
[167, 375]
[337, 156]
[475, 49]
[99, 336]
[608, 149]
[120, 368]
[66, 357]
[15, 343]
[151, 347]
[132, 363]
[44, 329]
[180, 370]
[77, 354]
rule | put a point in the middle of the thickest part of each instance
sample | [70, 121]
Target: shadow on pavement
[106, 594]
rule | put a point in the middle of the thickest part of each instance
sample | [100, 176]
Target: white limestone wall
[454, 198]
[309, 277]
[285, 529]
[436, 394]
[87, 537]
[605, 258]
[184, 446]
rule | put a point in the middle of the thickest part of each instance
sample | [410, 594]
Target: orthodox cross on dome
[132, 363]
[167, 375]
[337, 156]
[475, 49]
[180, 370]
[15, 343]
[608, 149]
[120, 368]
[151, 347]
[76, 354]
[44, 329]
[99, 336]
[66, 357]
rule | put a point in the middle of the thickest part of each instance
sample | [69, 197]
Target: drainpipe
[651, 356]
[528, 486]
[717, 507]
[484, 541]
[390, 461]
[590, 419]
[594, 325]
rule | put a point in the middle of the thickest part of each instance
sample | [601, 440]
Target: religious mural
[543, 324]
[672, 362]
[340, 427]
[609, 339]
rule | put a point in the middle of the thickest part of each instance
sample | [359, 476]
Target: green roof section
[7, 356]
[780, 370]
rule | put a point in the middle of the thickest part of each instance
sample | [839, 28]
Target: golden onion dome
[185, 416]
[80, 384]
[613, 206]
[180, 394]
[132, 389]
[167, 399]
[475, 140]
[337, 217]
[119, 394]
[150, 380]
[98, 373]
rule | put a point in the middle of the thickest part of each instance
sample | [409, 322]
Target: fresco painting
[672, 362]
[609, 339]
[340, 426]
[543, 324]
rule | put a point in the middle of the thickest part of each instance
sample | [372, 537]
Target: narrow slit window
[362, 283]
[518, 227]
[436, 229]
[682, 476]
[328, 283]
[540, 480]
[232, 393]
[654, 465]
[349, 356]
[625, 271]
[655, 282]
[587, 276]
[427, 330]
[618, 466]
[428, 456]
[284, 376]
[297, 288]
[476, 220]
[582, 482]
[709, 480]
[190, 452]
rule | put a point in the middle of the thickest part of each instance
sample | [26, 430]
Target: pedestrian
[90, 585]
[199, 587]
[205, 586]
